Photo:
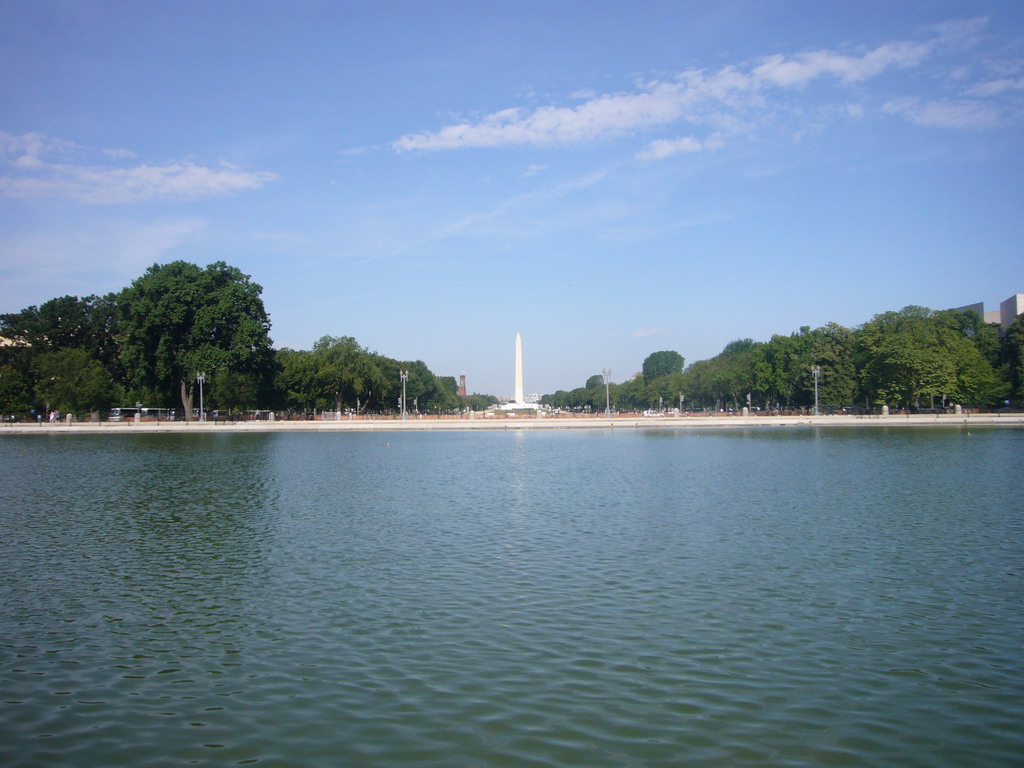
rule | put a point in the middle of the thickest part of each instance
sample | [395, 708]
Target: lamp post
[201, 377]
[816, 371]
[404, 375]
[607, 393]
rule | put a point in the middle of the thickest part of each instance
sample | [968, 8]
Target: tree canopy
[148, 342]
[663, 363]
[178, 320]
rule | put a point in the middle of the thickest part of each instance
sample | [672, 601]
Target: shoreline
[547, 423]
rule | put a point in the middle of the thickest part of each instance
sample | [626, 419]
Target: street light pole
[201, 377]
[816, 371]
[607, 393]
[403, 375]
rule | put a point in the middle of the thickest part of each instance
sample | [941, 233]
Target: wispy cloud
[946, 113]
[729, 100]
[96, 257]
[43, 166]
[996, 87]
[797, 71]
[662, 148]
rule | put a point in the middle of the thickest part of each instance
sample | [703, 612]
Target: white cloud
[643, 333]
[25, 151]
[797, 71]
[959, 33]
[663, 148]
[732, 100]
[605, 115]
[119, 154]
[996, 87]
[945, 113]
[32, 174]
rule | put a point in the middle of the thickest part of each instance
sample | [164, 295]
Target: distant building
[1008, 311]
[992, 316]
[462, 385]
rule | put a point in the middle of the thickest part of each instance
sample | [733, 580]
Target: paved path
[481, 423]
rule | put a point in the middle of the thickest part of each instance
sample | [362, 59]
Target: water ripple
[548, 599]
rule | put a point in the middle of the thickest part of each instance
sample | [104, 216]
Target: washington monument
[519, 370]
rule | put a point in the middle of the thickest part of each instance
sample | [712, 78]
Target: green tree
[916, 353]
[665, 390]
[781, 374]
[178, 320]
[733, 371]
[630, 395]
[833, 352]
[347, 371]
[15, 393]
[299, 382]
[67, 322]
[658, 364]
[446, 394]
[72, 381]
[233, 391]
[1012, 355]
[478, 402]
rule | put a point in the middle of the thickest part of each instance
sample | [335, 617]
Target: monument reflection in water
[607, 598]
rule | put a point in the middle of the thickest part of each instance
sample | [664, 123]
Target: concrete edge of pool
[548, 423]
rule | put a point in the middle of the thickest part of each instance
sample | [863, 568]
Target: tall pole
[607, 393]
[404, 375]
[201, 377]
[519, 398]
[817, 372]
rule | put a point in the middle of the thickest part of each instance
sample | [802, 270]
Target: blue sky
[608, 179]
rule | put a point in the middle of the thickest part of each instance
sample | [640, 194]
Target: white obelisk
[519, 369]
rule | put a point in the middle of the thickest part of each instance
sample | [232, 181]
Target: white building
[1008, 311]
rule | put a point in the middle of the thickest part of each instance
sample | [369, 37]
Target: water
[791, 597]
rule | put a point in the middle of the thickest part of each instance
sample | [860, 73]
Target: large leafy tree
[15, 393]
[833, 353]
[630, 395]
[478, 402]
[67, 322]
[299, 382]
[178, 320]
[71, 380]
[658, 364]
[63, 323]
[732, 371]
[916, 353]
[232, 391]
[347, 373]
[1013, 359]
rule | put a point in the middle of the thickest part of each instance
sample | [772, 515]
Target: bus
[145, 414]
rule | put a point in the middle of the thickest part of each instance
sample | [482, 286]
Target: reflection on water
[715, 598]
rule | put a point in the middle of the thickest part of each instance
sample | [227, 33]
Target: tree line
[914, 358]
[149, 343]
